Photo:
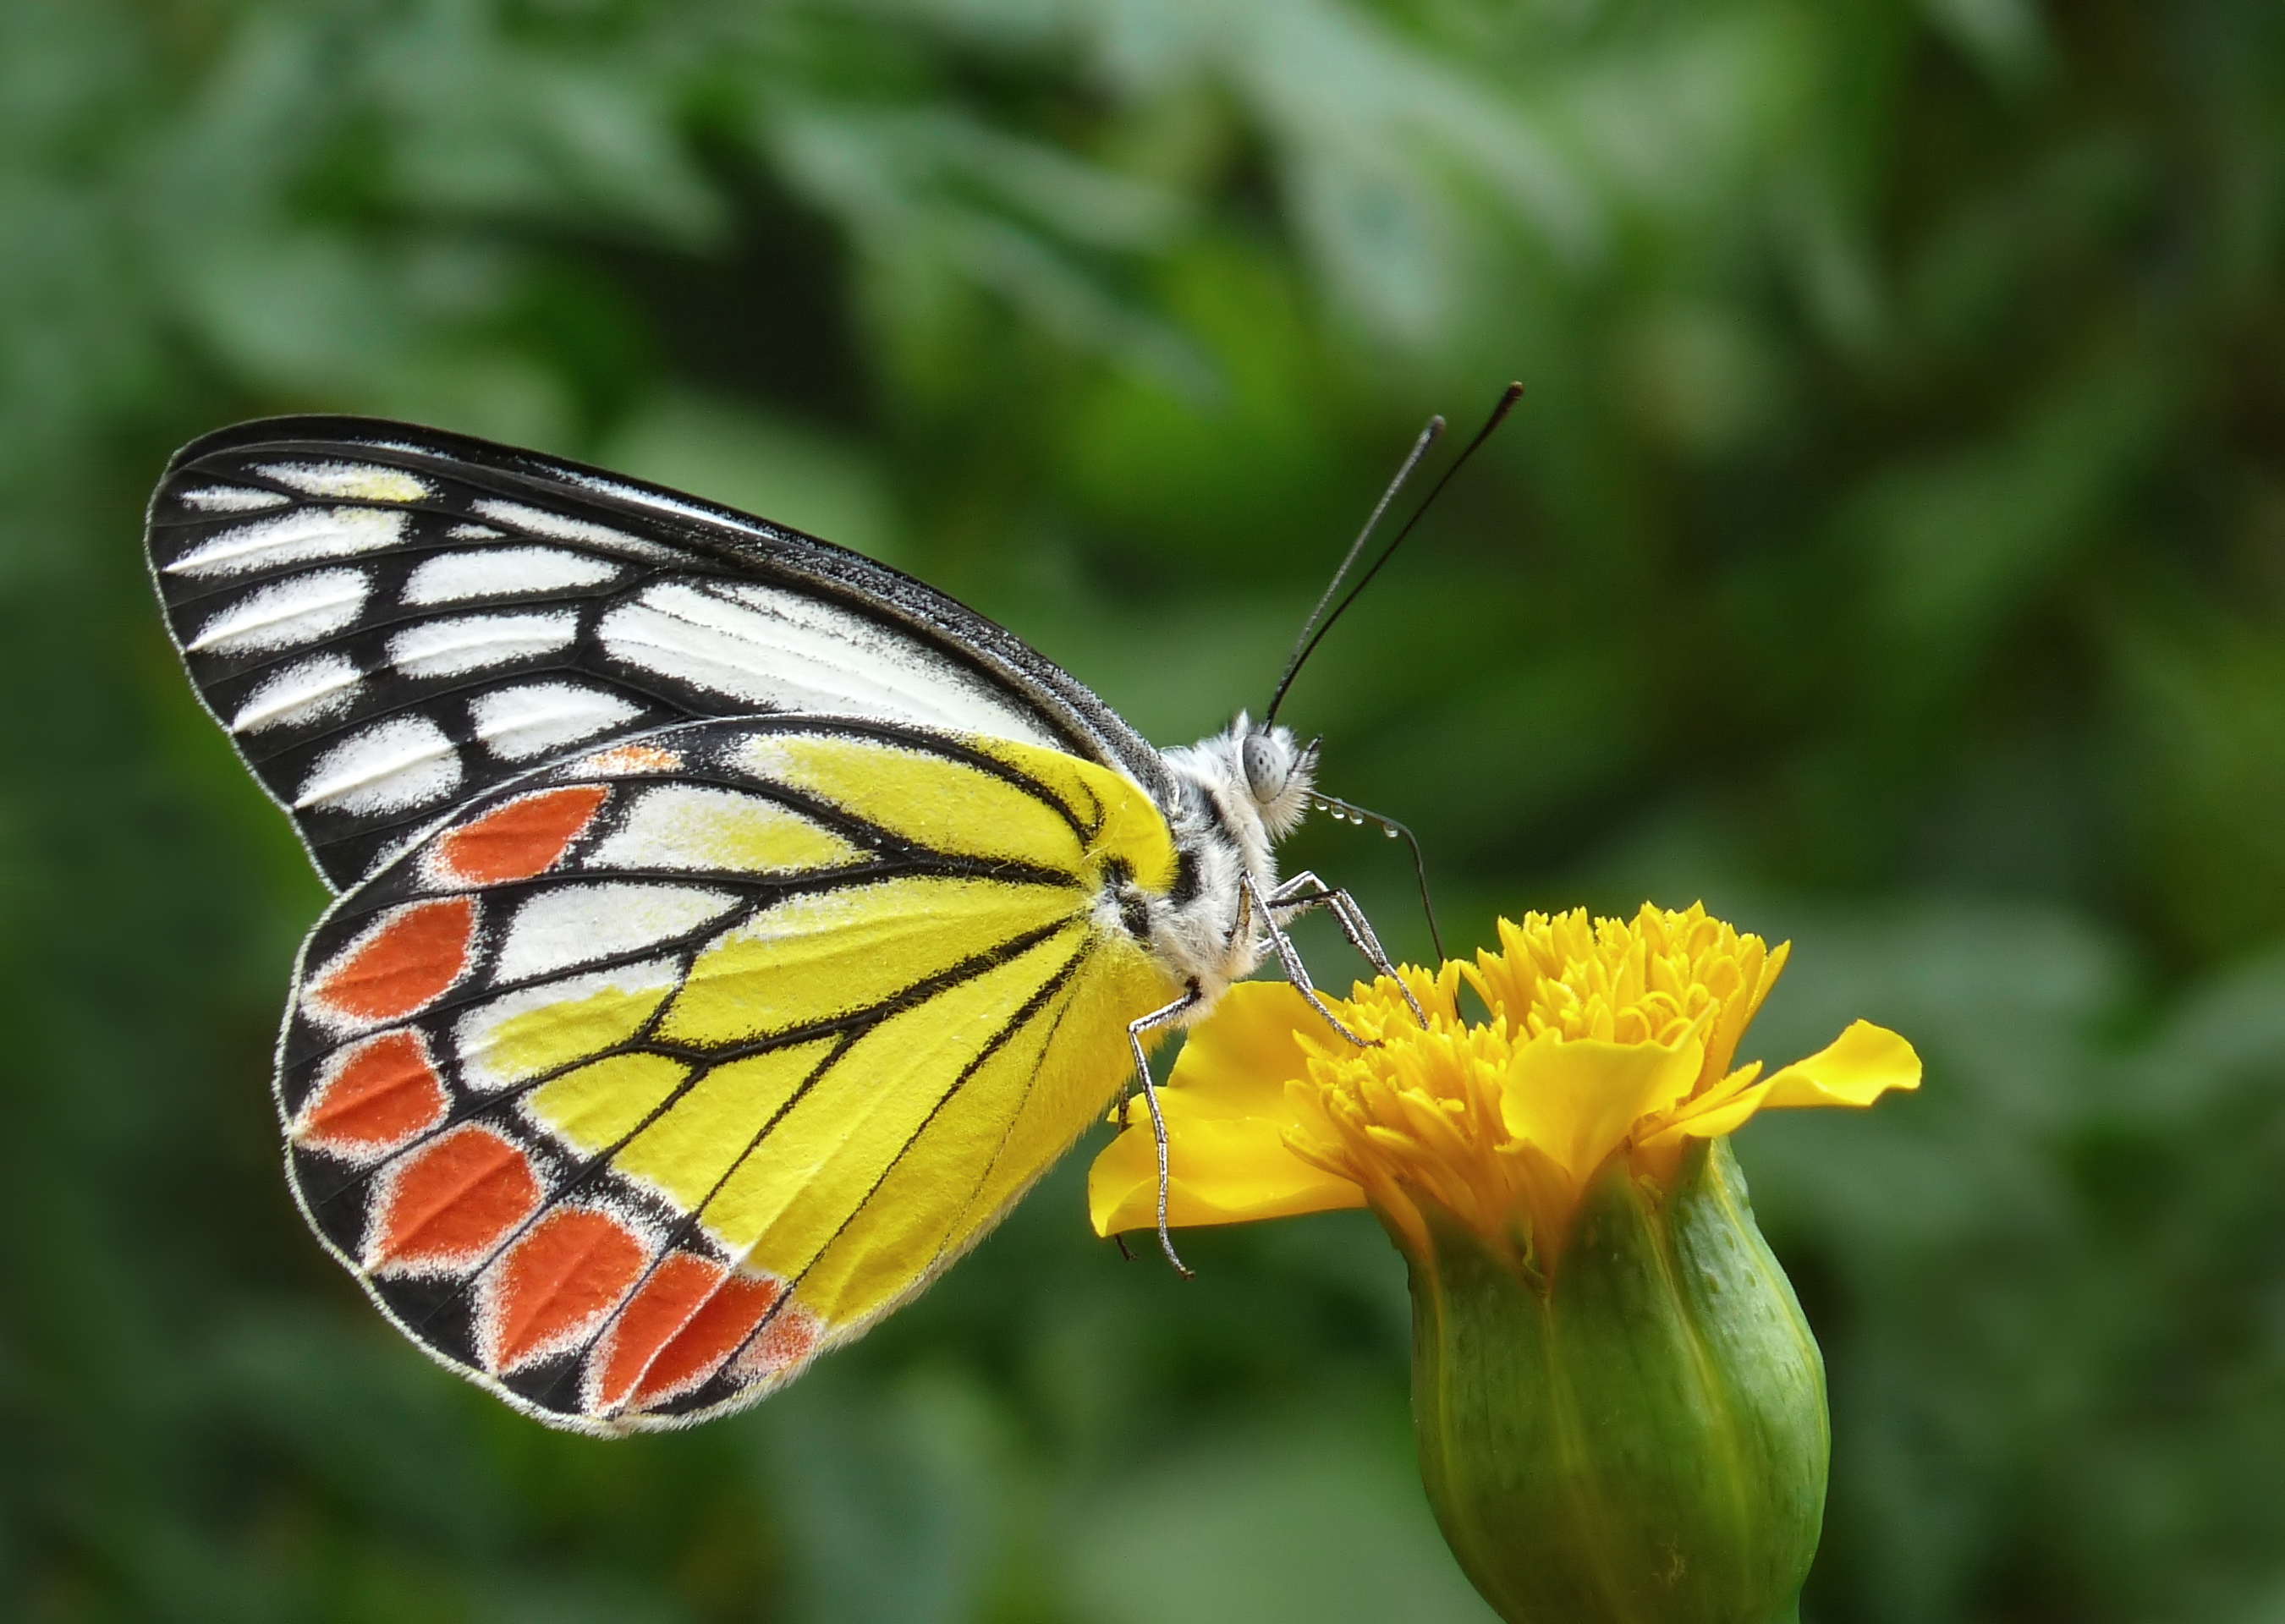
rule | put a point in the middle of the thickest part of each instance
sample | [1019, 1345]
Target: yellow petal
[1228, 1111]
[1725, 1116]
[1578, 1100]
[1222, 1173]
[1857, 1068]
[1721, 1110]
[1238, 1060]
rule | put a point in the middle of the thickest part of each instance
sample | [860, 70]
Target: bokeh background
[1890, 550]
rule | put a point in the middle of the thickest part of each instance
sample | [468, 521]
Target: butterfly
[728, 928]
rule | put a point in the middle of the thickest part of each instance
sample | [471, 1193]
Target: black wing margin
[389, 620]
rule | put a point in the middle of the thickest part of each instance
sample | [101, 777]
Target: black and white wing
[389, 620]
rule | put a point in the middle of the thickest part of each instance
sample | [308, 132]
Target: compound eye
[1266, 767]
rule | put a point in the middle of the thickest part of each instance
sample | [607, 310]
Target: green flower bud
[1637, 1433]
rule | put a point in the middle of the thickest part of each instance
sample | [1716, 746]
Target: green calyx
[1639, 1436]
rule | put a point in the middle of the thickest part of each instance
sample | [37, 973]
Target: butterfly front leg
[1305, 893]
[1289, 958]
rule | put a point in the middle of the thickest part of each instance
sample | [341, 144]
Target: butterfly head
[1278, 771]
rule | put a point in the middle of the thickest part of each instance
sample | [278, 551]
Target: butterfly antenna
[1315, 634]
[1350, 811]
[1302, 644]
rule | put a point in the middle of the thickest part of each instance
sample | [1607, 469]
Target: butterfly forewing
[643, 1077]
[389, 620]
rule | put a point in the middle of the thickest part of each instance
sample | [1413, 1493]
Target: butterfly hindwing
[390, 620]
[647, 1075]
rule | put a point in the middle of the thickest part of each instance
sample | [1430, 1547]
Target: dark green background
[1890, 550]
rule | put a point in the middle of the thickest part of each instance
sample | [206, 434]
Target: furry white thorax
[1236, 794]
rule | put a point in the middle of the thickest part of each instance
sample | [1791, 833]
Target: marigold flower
[1621, 1410]
[1603, 1035]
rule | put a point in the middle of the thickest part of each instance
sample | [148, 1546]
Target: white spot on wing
[233, 499]
[300, 609]
[578, 924]
[306, 692]
[784, 652]
[517, 724]
[291, 539]
[494, 572]
[622, 760]
[684, 826]
[477, 1035]
[402, 763]
[562, 527]
[362, 481]
[478, 642]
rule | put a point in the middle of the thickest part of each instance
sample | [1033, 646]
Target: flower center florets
[1597, 1032]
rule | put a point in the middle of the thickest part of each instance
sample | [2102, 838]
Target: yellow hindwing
[845, 1087]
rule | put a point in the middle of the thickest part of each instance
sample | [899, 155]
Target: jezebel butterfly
[729, 928]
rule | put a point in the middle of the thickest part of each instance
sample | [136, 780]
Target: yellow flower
[1619, 1405]
[1604, 1037]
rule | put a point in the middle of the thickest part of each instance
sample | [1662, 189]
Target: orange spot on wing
[674, 1350]
[781, 1347]
[377, 1094]
[453, 1202]
[522, 838]
[557, 1281]
[633, 758]
[677, 1288]
[415, 954]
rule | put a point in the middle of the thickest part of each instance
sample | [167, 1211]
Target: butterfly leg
[1289, 958]
[1305, 893]
[1167, 1016]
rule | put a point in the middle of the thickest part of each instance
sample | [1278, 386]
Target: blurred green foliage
[1890, 549]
